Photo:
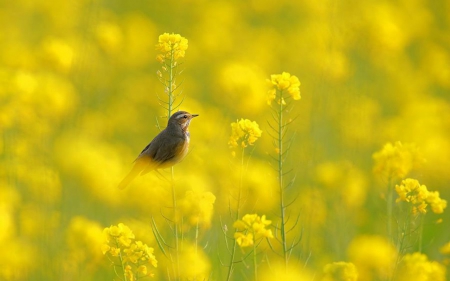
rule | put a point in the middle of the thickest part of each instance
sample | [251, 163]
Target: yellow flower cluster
[445, 250]
[171, 46]
[397, 160]
[84, 238]
[373, 256]
[281, 82]
[134, 256]
[410, 190]
[417, 267]
[250, 229]
[340, 271]
[198, 207]
[194, 263]
[244, 132]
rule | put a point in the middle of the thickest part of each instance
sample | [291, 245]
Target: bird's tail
[131, 176]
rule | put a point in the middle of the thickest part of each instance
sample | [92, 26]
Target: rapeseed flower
[417, 267]
[194, 263]
[83, 238]
[132, 256]
[411, 191]
[374, 256]
[198, 207]
[120, 233]
[340, 271]
[437, 204]
[283, 82]
[244, 240]
[109, 37]
[251, 228]
[445, 250]
[171, 46]
[279, 271]
[396, 160]
[244, 133]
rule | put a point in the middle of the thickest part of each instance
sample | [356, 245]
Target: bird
[168, 148]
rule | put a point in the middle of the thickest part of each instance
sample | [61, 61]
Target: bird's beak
[194, 115]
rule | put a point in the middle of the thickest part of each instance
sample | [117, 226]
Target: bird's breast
[182, 150]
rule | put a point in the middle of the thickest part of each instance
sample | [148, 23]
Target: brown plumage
[168, 148]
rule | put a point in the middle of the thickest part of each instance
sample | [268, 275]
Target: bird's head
[182, 119]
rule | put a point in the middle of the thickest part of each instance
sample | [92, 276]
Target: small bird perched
[168, 148]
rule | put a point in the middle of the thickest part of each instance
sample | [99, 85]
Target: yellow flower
[129, 273]
[437, 204]
[243, 240]
[410, 190]
[417, 267]
[395, 161]
[194, 263]
[135, 256]
[115, 252]
[109, 36]
[142, 269]
[58, 52]
[244, 132]
[139, 252]
[292, 272]
[271, 95]
[251, 227]
[373, 256]
[282, 82]
[340, 271]
[250, 218]
[264, 221]
[125, 234]
[83, 238]
[121, 232]
[198, 207]
[105, 248]
[421, 208]
[171, 45]
[445, 250]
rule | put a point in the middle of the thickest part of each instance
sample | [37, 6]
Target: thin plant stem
[400, 240]
[174, 198]
[255, 264]
[389, 199]
[238, 206]
[280, 178]
[121, 261]
[175, 228]
[422, 221]
[170, 86]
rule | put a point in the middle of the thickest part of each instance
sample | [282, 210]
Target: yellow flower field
[321, 150]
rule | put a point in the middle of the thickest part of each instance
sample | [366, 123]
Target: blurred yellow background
[79, 101]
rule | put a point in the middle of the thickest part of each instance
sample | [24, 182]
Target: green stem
[170, 86]
[280, 178]
[255, 264]
[389, 199]
[233, 250]
[121, 260]
[174, 198]
[175, 228]
[422, 219]
[399, 242]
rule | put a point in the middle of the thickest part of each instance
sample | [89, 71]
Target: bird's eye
[185, 116]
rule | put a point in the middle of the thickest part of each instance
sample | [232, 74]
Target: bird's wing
[158, 153]
[168, 150]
